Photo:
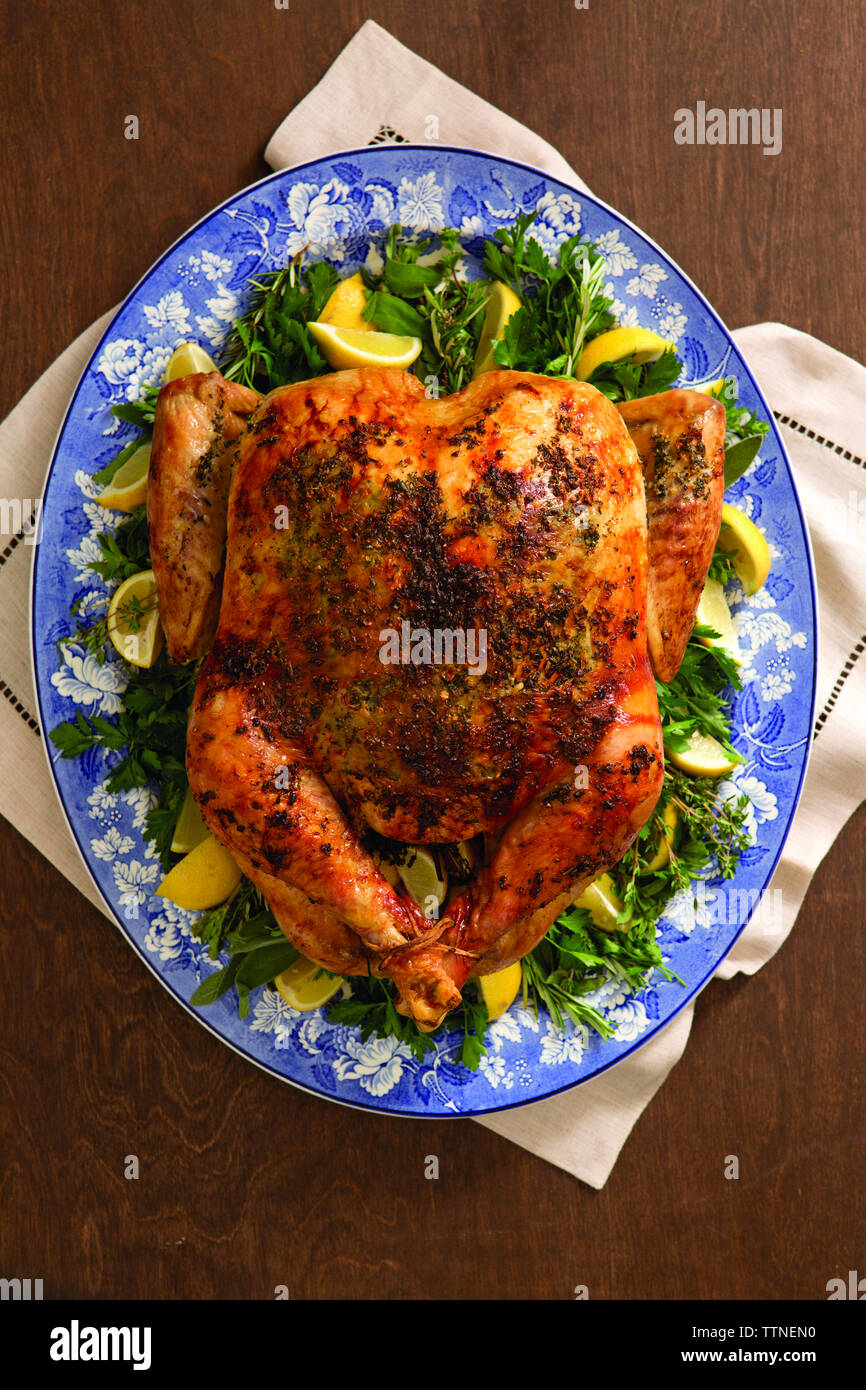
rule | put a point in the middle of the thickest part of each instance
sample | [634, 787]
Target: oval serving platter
[336, 208]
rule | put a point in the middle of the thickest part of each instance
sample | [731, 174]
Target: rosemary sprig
[564, 300]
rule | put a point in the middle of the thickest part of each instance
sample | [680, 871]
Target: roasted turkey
[293, 535]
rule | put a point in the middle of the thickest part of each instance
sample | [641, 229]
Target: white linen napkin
[378, 91]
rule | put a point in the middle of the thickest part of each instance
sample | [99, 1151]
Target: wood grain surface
[245, 1183]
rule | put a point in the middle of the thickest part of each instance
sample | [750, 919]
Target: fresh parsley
[739, 423]
[139, 412]
[432, 302]
[270, 344]
[126, 550]
[696, 700]
[149, 736]
[622, 381]
[564, 300]
[372, 1008]
[575, 958]
[244, 928]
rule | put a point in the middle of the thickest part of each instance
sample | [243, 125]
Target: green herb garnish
[270, 344]
[621, 381]
[564, 301]
[431, 302]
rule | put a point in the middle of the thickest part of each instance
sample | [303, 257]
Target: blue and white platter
[338, 208]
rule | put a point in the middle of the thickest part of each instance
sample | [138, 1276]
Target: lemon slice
[345, 308]
[750, 551]
[499, 990]
[637, 345]
[502, 304]
[186, 359]
[713, 611]
[703, 756]
[466, 858]
[714, 387]
[128, 487]
[133, 619]
[306, 985]
[190, 829]
[602, 902]
[423, 882]
[387, 869]
[204, 878]
[353, 347]
[665, 840]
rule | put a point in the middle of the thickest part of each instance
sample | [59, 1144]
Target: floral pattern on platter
[340, 209]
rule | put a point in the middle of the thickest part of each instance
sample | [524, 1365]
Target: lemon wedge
[186, 359]
[354, 347]
[133, 619]
[665, 840]
[602, 902]
[750, 551]
[128, 487]
[387, 869]
[466, 858]
[713, 611]
[423, 881]
[703, 756]
[499, 990]
[204, 878]
[345, 308]
[714, 387]
[637, 345]
[502, 304]
[190, 829]
[305, 985]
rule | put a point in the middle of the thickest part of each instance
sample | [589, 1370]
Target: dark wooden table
[246, 1184]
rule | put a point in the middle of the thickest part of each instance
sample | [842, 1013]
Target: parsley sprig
[270, 344]
[564, 300]
[623, 381]
[246, 930]
[431, 301]
[575, 958]
[126, 550]
[372, 1008]
[149, 734]
[696, 700]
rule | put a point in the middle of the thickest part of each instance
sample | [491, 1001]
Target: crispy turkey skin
[515, 509]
